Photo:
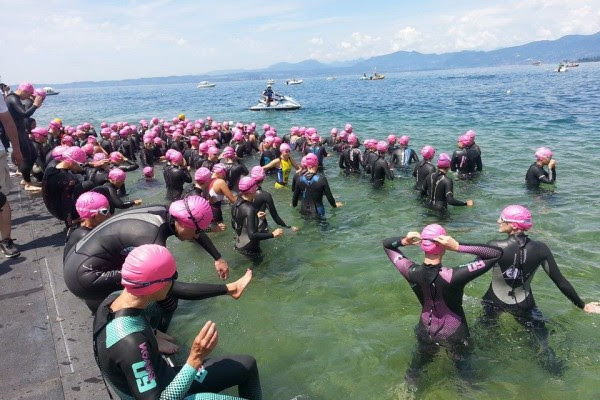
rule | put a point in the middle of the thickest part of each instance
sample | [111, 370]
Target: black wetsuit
[147, 157]
[20, 114]
[41, 152]
[192, 158]
[467, 162]
[370, 157]
[73, 237]
[262, 201]
[440, 292]
[318, 151]
[128, 148]
[114, 199]
[175, 178]
[536, 175]
[403, 157]
[266, 157]
[178, 145]
[127, 353]
[438, 189]
[310, 189]
[351, 159]
[421, 171]
[380, 170]
[510, 290]
[245, 224]
[206, 163]
[235, 171]
[92, 270]
[60, 190]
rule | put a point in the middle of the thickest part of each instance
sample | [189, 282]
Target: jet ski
[279, 103]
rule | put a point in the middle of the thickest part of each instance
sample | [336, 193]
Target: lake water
[327, 315]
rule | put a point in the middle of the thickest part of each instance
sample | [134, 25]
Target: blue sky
[70, 40]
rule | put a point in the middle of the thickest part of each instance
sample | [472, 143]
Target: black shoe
[9, 250]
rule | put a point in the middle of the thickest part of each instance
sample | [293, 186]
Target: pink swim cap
[88, 148]
[125, 132]
[117, 174]
[443, 161]
[86, 126]
[92, 140]
[158, 141]
[382, 146]
[285, 148]
[226, 124]
[269, 140]
[348, 128]
[219, 169]
[74, 153]
[148, 269]
[89, 204]
[404, 140]
[155, 120]
[169, 153]
[99, 157]
[430, 232]
[54, 125]
[203, 147]
[428, 152]
[465, 140]
[543, 153]
[344, 136]
[228, 152]
[115, 157]
[194, 139]
[303, 162]
[176, 157]
[148, 172]
[334, 132]
[40, 92]
[202, 175]
[58, 151]
[114, 135]
[26, 87]
[277, 140]
[314, 137]
[103, 125]
[143, 123]
[238, 136]
[105, 132]
[352, 138]
[192, 212]
[212, 150]
[471, 134]
[247, 185]
[68, 139]
[266, 127]
[257, 173]
[518, 216]
[39, 132]
[311, 160]
[392, 139]
[148, 139]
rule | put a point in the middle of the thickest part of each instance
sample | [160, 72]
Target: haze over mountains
[572, 47]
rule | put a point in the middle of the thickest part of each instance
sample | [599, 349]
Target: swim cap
[39, 132]
[404, 140]
[99, 157]
[148, 140]
[257, 173]
[158, 141]
[92, 140]
[334, 132]
[518, 216]
[90, 203]
[270, 133]
[277, 140]
[247, 185]
[430, 232]
[143, 123]
[117, 174]
[352, 138]
[40, 92]
[212, 150]
[26, 87]
[194, 139]
[348, 128]
[74, 153]
[219, 169]
[443, 161]
[103, 125]
[192, 212]
[115, 157]
[344, 136]
[148, 172]
[428, 152]
[54, 125]
[114, 135]
[70, 130]
[155, 120]
[133, 128]
[68, 139]
[311, 160]
[125, 132]
[471, 134]
[238, 136]
[465, 140]
[88, 148]
[285, 148]
[228, 152]
[176, 157]
[181, 117]
[105, 132]
[266, 127]
[392, 139]
[314, 137]
[147, 269]
[269, 140]
[311, 130]
[86, 126]
[543, 153]
[169, 153]
[382, 146]
[202, 175]
[58, 151]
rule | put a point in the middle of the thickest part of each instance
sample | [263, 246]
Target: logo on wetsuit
[474, 266]
[143, 371]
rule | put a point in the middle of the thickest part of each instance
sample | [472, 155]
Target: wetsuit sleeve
[414, 157]
[388, 172]
[204, 241]
[327, 192]
[487, 256]
[129, 167]
[391, 248]
[16, 107]
[478, 163]
[115, 200]
[414, 174]
[551, 179]
[449, 186]
[253, 233]
[187, 177]
[273, 212]
[549, 265]
[341, 162]
[197, 291]
[296, 195]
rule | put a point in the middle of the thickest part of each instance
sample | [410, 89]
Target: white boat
[562, 68]
[293, 82]
[270, 82]
[374, 77]
[49, 91]
[205, 84]
[331, 78]
[279, 103]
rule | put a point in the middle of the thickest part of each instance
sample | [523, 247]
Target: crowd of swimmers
[118, 265]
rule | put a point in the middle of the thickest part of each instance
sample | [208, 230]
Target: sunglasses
[139, 285]
[189, 211]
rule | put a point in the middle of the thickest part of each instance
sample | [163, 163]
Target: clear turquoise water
[327, 315]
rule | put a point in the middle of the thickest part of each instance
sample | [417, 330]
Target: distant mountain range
[571, 47]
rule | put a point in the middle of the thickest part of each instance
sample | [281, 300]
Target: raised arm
[391, 246]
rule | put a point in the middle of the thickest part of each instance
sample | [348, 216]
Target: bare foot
[236, 288]
[166, 347]
[32, 188]
[162, 335]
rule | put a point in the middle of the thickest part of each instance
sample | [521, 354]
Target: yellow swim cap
[58, 120]
[181, 117]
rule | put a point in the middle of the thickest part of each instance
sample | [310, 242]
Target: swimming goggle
[519, 221]
[194, 220]
[139, 285]
[103, 211]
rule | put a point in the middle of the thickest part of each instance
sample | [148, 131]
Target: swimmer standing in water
[536, 173]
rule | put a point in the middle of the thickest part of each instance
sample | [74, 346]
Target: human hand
[137, 202]
[277, 232]
[295, 229]
[470, 203]
[17, 156]
[222, 268]
[552, 164]
[218, 228]
[447, 242]
[204, 343]
[411, 238]
[261, 215]
[339, 204]
[592, 308]
[38, 101]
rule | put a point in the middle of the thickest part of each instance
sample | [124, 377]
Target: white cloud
[406, 38]
[317, 41]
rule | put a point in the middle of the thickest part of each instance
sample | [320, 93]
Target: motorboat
[294, 82]
[205, 84]
[331, 78]
[270, 82]
[279, 103]
[562, 68]
[536, 63]
[374, 77]
[572, 65]
[49, 91]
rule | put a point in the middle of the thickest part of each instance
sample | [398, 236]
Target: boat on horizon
[331, 78]
[373, 77]
[205, 84]
[49, 91]
[536, 63]
[294, 81]
[562, 68]
[270, 81]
